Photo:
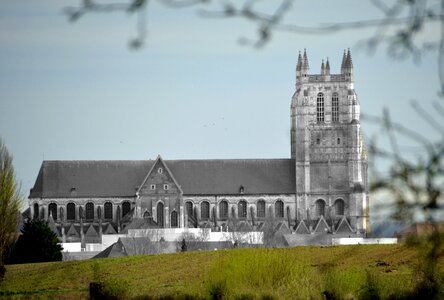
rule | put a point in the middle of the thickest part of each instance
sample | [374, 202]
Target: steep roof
[59, 179]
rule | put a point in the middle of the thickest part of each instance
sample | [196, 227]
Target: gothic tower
[327, 145]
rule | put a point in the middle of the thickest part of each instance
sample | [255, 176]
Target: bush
[38, 243]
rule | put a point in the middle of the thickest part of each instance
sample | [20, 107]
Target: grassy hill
[303, 272]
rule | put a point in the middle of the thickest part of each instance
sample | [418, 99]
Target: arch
[36, 211]
[223, 209]
[126, 208]
[108, 210]
[189, 208]
[320, 107]
[146, 215]
[279, 209]
[320, 207]
[70, 211]
[335, 108]
[204, 210]
[89, 211]
[174, 219]
[242, 209]
[160, 214]
[339, 207]
[260, 207]
[52, 210]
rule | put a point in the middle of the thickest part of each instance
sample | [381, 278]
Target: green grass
[297, 273]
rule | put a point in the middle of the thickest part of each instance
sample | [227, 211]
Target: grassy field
[298, 273]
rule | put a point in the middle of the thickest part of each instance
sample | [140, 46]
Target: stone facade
[321, 186]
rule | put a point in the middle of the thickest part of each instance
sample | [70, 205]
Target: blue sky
[74, 91]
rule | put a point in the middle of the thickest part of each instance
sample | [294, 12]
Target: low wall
[363, 241]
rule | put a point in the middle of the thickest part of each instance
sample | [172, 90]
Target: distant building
[322, 188]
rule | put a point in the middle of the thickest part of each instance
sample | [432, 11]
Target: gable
[322, 226]
[344, 226]
[302, 228]
[159, 180]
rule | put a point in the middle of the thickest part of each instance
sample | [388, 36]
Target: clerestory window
[320, 108]
[335, 108]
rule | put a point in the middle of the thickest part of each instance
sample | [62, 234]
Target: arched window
[205, 210]
[335, 108]
[108, 207]
[126, 208]
[174, 219]
[223, 210]
[89, 211]
[242, 209]
[36, 211]
[320, 108]
[261, 209]
[279, 209]
[160, 214]
[320, 207]
[339, 207]
[189, 207]
[70, 211]
[53, 210]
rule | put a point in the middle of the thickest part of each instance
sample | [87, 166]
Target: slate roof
[60, 179]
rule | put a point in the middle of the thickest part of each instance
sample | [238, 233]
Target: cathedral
[322, 188]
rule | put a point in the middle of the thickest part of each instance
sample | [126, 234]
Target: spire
[305, 65]
[348, 61]
[327, 67]
[344, 58]
[299, 65]
[347, 69]
[322, 68]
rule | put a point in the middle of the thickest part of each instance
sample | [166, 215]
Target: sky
[76, 91]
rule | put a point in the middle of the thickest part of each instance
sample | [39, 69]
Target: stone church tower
[327, 144]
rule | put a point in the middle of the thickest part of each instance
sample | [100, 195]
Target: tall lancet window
[320, 108]
[335, 108]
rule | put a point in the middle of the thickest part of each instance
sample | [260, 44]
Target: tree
[9, 205]
[38, 243]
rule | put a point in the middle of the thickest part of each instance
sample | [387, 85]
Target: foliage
[38, 243]
[297, 273]
[9, 205]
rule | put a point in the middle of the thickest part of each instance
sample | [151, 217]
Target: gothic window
[189, 208]
[126, 207]
[108, 207]
[335, 108]
[339, 207]
[174, 219]
[242, 209]
[261, 209]
[53, 210]
[320, 108]
[205, 210]
[223, 210]
[89, 211]
[160, 214]
[70, 211]
[279, 209]
[320, 207]
[36, 211]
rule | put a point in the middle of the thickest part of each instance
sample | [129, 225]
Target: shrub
[38, 243]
